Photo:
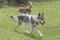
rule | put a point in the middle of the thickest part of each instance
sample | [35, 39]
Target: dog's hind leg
[18, 23]
[26, 28]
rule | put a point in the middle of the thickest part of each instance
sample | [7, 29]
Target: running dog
[30, 20]
[25, 9]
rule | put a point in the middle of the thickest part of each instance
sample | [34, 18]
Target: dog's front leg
[35, 28]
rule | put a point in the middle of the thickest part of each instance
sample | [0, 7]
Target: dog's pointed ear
[43, 13]
[39, 14]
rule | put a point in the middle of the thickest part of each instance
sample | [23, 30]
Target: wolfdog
[32, 20]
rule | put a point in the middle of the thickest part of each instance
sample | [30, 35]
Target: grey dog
[32, 20]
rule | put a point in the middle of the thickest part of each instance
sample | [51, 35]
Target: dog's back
[29, 18]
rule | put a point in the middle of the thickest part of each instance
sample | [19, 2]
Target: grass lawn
[50, 31]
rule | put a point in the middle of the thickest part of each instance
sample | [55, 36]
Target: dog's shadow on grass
[31, 35]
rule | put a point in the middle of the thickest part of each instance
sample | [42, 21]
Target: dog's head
[21, 9]
[41, 18]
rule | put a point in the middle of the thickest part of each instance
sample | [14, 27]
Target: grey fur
[29, 21]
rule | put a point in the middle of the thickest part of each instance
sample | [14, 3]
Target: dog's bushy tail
[15, 18]
[30, 4]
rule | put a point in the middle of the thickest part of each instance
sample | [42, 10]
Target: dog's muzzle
[42, 22]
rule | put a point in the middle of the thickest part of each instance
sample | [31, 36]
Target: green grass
[50, 31]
